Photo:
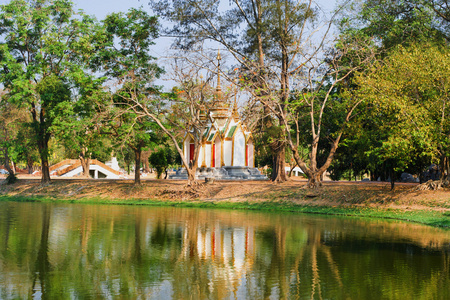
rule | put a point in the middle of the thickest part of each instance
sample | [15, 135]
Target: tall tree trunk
[278, 171]
[45, 167]
[43, 136]
[137, 165]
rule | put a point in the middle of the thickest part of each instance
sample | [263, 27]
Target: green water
[55, 251]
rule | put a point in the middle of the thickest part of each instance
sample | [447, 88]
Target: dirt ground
[342, 193]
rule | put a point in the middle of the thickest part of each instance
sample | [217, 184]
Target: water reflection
[81, 251]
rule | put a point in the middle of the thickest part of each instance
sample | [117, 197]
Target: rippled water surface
[54, 251]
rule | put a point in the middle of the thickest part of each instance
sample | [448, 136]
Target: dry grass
[344, 194]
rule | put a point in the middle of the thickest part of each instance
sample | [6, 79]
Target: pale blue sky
[101, 8]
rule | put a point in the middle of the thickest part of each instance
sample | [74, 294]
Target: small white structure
[296, 171]
[113, 164]
[72, 168]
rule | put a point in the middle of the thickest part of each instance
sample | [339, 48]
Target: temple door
[191, 152]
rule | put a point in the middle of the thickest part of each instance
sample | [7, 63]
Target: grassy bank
[343, 199]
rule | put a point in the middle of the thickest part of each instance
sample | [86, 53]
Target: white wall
[218, 152]
[227, 149]
[239, 149]
[200, 156]
[208, 148]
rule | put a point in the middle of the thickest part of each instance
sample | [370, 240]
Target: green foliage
[159, 161]
[395, 22]
[403, 125]
[43, 56]
[124, 57]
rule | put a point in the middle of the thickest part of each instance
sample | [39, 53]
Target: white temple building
[227, 150]
[226, 141]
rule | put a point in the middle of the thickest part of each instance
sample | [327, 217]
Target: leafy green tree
[125, 58]
[10, 118]
[80, 129]
[125, 156]
[396, 22]
[158, 160]
[42, 54]
[26, 148]
[408, 94]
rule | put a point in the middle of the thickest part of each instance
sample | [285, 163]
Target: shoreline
[358, 199]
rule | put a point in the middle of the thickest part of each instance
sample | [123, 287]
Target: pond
[59, 251]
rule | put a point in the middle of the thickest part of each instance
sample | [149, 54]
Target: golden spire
[219, 94]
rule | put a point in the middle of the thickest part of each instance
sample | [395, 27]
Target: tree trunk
[444, 167]
[43, 136]
[30, 165]
[315, 180]
[7, 166]
[191, 174]
[137, 165]
[392, 177]
[85, 161]
[45, 167]
[144, 157]
[278, 171]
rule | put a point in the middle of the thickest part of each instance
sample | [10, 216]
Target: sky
[101, 8]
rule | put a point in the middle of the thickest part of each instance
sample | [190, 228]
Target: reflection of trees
[42, 265]
[134, 252]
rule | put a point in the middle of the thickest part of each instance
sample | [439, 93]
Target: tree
[10, 118]
[44, 43]
[249, 29]
[280, 55]
[394, 22]
[124, 57]
[158, 160]
[80, 127]
[182, 112]
[25, 144]
[408, 95]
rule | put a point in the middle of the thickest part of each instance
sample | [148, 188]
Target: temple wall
[208, 155]
[200, 156]
[239, 149]
[227, 149]
[218, 152]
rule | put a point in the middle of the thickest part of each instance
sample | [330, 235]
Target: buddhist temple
[227, 150]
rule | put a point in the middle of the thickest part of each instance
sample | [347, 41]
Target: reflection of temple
[233, 247]
[229, 253]
[227, 150]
